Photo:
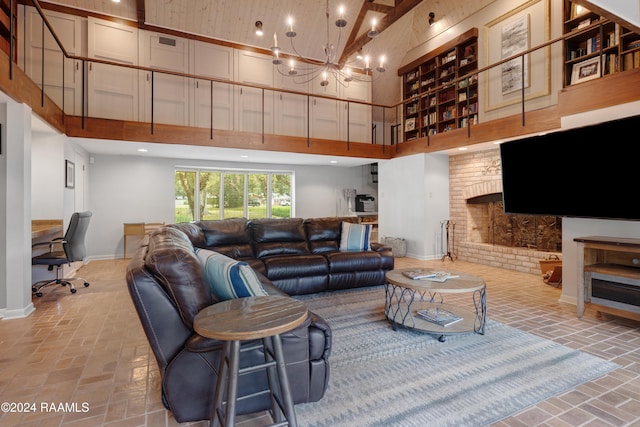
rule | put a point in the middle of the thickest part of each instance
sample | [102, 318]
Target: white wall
[50, 198]
[48, 175]
[15, 181]
[626, 9]
[141, 189]
[413, 200]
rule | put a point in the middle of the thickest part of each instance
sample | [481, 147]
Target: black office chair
[73, 249]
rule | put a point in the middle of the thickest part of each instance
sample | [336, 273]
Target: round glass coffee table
[406, 297]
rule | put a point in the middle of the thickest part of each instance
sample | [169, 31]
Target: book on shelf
[631, 60]
[436, 276]
[473, 120]
[634, 44]
[439, 316]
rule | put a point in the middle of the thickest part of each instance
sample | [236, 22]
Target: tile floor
[83, 359]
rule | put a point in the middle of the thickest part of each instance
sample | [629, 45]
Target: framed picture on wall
[70, 174]
[515, 39]
[410, 124]
[508, 35]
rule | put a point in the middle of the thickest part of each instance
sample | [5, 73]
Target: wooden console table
[618, 260]
[138, 229]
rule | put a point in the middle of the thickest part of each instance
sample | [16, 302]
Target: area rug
[381, 377]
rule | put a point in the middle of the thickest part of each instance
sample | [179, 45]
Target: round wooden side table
[242, 319]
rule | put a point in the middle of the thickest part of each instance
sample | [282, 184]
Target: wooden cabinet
[440, 99]
[254, 106]
[609, 275]
[596, 46]
[112, 91]
[212, 101]
[164, 95]
[356, 118]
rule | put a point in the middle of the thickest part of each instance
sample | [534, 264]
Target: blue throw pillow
[355, 237]
[228, 278]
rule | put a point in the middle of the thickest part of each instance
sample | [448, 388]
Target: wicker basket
[550, 263]
[398, 245]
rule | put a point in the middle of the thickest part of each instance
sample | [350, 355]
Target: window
[202, 194]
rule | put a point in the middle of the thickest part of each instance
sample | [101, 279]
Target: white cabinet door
[112, 90]
[325, 113]
[356, 118]
[63, 84]
[208, 60]
[165, 97]
[291, 116]
[254, 106]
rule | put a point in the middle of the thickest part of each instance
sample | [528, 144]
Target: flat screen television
[589, 172]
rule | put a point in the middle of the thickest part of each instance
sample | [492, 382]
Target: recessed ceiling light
[462, 148]
[244, 156]
[333, 161]
[142, 150]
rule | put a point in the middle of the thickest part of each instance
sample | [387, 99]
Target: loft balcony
[357, 128]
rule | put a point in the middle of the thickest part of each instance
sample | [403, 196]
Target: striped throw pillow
[228, 278]
[355, 237]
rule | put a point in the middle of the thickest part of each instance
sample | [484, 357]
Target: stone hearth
[483, 232]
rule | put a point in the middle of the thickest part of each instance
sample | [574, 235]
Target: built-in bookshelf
[441, 88]
[596, 46]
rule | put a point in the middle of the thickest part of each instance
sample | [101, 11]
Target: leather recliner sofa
[300, 256]
[167, 285]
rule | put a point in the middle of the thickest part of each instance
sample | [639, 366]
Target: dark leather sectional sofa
[300, 256]
[291, 256]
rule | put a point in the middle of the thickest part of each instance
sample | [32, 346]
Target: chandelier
[303, 70]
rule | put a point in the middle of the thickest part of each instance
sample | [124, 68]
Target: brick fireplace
[483, 233]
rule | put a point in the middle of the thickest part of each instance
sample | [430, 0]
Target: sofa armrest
[380, 247]
[320, 337]
[199, 344]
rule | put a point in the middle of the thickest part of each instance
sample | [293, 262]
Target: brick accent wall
[474, 174]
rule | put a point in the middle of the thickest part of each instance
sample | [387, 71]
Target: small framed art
[585, 70]
[70, 174]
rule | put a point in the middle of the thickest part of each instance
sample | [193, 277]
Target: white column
[15, 204]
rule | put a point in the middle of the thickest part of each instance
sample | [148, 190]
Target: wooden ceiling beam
[141, 11]
[392, 14]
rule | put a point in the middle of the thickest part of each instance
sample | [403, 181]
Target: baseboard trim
[7, 314]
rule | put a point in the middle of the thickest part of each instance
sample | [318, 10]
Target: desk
[45, 228]
[139, 229]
